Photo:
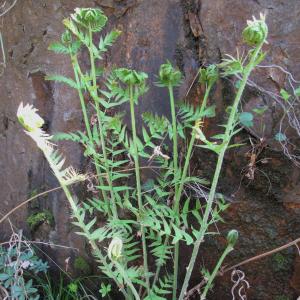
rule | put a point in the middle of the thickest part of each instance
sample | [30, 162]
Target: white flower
[32, 122]
[115, 249]
[28, 117]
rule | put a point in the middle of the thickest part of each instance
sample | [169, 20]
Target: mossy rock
[39, 218]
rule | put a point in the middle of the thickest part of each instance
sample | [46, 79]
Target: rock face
[190, 33]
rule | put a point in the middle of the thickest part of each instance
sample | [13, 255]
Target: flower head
[90, 18]
[28, 117]
[256, 32]
[32, 123]
[115, 249]
[168, 75]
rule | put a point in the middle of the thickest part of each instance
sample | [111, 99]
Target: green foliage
[297, 92]
[59, 287]
[62, 79]
[169, 76]
[17, 261]
[82, 265]
[285, 95]
[280, 262]
[142, 219]
[90, 18]
[38, 218]
[246, 119]
[209, 75]
[105, 289]
[280, 137]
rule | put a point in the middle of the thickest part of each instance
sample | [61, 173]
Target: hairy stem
[138, 184]
[81, 223]
[175, 166]
[127, 280]
[213, 275]
[100, 124]
[226, 140]
[180, 189]
[77, 71]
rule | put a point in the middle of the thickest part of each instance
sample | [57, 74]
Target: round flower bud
[168, 75]
[232, 237]
[256, 32]
[115, 249]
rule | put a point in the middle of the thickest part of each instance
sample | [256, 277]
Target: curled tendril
[240, 284]
[256, 32]
[168, 75]
[90, 18]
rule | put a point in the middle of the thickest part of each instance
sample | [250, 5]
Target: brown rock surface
[190, 33]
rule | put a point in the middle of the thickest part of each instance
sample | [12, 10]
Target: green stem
[226, 140]
[189, 152]
[77, 71]
[180, 189]
[127, 280]
[100, 124]
[175, 166]
[138, 183]
[81, 223]
[227, 250]
[174, 130]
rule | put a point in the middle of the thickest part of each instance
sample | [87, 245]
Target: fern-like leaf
[62, 79]
[108, 40]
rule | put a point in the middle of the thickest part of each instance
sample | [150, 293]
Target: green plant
[38, 218]
[255, 35]
[148, 218]
[81, 264]
[17, 262]
[60, 289]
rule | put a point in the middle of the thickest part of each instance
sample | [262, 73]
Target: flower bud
[115, 249]
[90, 18]
[209, 75]
[232, 237]
[168, 75]
[256, 32]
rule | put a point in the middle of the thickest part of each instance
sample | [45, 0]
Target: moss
[81, 264]
[37, 219]
[280, 262]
